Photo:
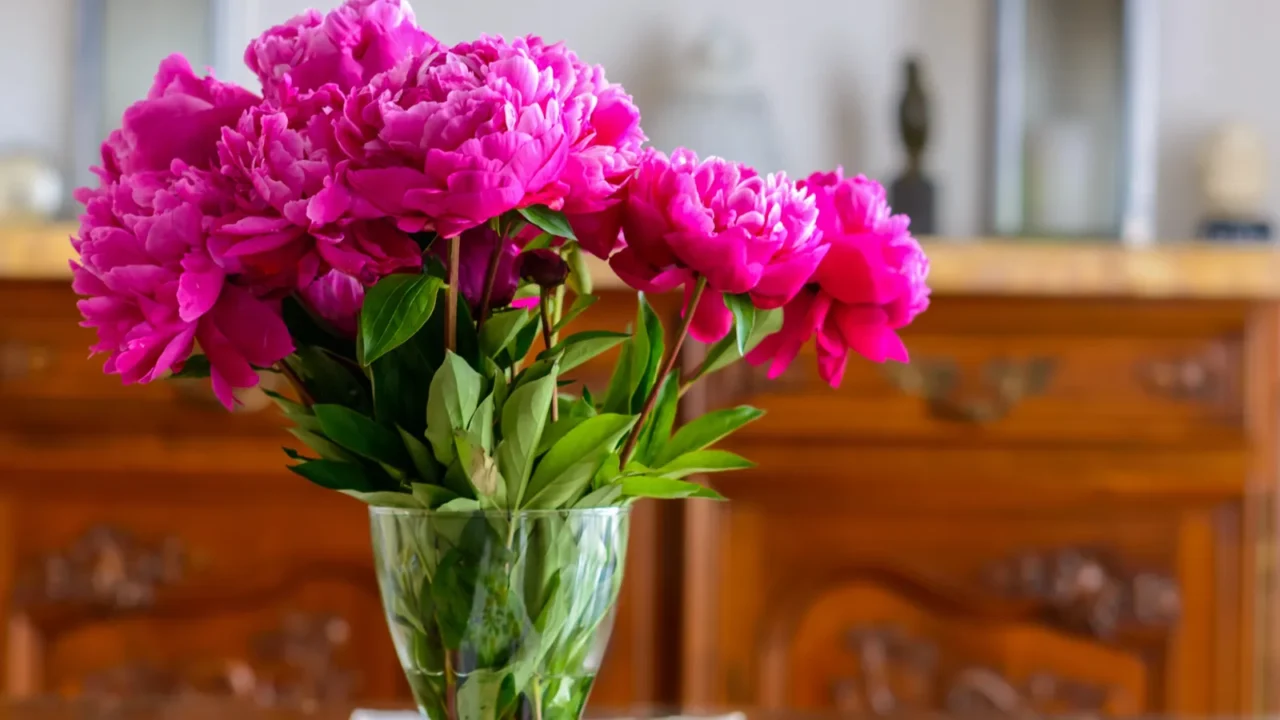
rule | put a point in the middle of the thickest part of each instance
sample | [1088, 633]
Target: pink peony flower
[871, 283]
[152, 291]
[449, 140]
[150, 287]
[720, 220]
[346, 47]
[336, 297]
[180, 119]
[295, 218]
[604, 153]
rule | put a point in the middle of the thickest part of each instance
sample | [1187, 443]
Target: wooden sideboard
[1064, 503]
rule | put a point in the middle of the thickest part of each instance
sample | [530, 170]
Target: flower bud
[545, 268]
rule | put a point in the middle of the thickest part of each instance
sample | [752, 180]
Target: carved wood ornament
[1005, 384]
[900, 674]
[108, 573]
[1083, 592]
[105, 568]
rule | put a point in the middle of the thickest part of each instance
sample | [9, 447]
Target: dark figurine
[912, 193]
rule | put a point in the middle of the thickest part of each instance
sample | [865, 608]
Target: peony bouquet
[399, 228]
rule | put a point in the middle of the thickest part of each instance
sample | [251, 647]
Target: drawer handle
[1006, 383]
[19, 361]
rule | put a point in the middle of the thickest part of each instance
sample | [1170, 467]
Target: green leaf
[579, 280]
[432, 496]
[704, 461]
[323, 445]
[478, 695]
[468, 340]
[617, 398]
[581, 347]
[603, 497]
[426, 466]
[385, 499]
[361, 435]
[579, 306]
[455, 393]
[399, 393]
[498, 377]
[707, 430]
[481, 471]
[501, 330]
[300, 415]
[461, 505]
[196, 366]
[650, 346]
[331, 380]
[725, 352]
[657, 430]
[335, 475]
[566, 470]
[744, 318]
[480, 426]
[523, 419]
[541, 241]
[609, 472]
[572, 412]
[548, 220]
[394, 310]
[524, 342]
[660, 488]
[558, 429]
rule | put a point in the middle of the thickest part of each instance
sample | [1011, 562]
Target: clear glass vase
[500, 615]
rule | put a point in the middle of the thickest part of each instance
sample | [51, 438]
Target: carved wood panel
[1083, 590]
[865, 648]
[118, 614]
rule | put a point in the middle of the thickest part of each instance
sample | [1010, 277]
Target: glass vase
[499, 615]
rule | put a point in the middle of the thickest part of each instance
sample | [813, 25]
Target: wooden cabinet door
[1119, 610]
[277, 604]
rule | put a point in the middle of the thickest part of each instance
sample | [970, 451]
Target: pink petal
[711, 319]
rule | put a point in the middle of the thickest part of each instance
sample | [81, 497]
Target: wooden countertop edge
[971, 266]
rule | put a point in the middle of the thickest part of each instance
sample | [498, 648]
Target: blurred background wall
[831, 69]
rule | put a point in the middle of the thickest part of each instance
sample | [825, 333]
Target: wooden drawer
[1034, 388]
[161, 598]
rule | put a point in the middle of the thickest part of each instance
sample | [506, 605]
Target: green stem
[450, 686]
[451, 318]
[557, 313]
[667, 367]
[544, 309]
[537, 698]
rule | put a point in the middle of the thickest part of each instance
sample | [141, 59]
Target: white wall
[831, 68]
[1218, 62]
